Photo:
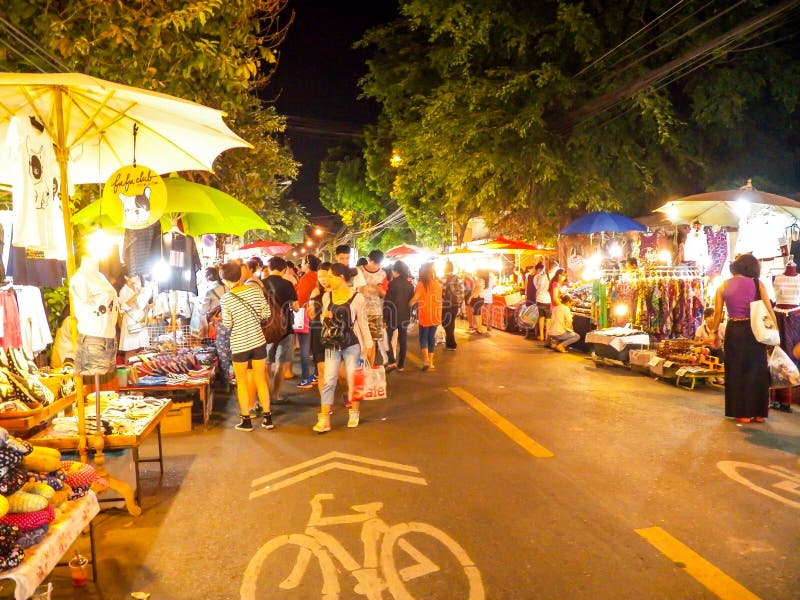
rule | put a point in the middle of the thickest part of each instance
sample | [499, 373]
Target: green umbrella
[201, 208]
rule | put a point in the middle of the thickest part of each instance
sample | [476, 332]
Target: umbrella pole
[62, 156]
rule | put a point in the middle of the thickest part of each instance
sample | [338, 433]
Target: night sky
[316, 87]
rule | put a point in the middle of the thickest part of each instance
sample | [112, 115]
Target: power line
[630, 37]
[607, 101]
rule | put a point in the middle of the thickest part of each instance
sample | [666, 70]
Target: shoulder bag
[765, 330]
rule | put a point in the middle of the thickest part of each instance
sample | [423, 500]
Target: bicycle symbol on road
[380, 571]
[788, 481]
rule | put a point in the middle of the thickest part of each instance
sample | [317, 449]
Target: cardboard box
[666, 369]
[178, 419]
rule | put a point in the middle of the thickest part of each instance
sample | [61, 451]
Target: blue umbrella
[599, 222]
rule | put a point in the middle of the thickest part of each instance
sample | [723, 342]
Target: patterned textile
[789, 327]
[717, 250]
[141, 249]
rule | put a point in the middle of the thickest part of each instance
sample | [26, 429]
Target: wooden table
[130, 442]
[30, 420]
[45, 556]
[205, 392]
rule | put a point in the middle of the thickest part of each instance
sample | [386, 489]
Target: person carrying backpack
[280, 294]
[453, 298]
[347, 339]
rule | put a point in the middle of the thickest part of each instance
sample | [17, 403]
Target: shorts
[95, 355]
[375, 326]
[281, 352]
[476, 304]
[257, 353]
[545, 309]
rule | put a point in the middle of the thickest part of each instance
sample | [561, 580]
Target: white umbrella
[726, 207]
[91, 121]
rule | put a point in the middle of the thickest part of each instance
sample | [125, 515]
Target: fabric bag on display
[782, 370]
[300, 320]
[764, 328]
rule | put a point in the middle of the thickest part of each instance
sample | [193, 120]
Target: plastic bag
[782, 370]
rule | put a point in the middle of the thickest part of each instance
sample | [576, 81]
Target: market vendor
[705, 336]
[560, 333]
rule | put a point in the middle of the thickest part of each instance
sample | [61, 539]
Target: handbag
[369, 383]
[300, 320]
[765, 330]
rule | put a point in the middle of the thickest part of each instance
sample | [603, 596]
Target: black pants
[449, 323]
[402, 344]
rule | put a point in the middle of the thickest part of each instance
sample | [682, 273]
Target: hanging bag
[300, 320]
[374, 382]
[782, 370]
[765, 330]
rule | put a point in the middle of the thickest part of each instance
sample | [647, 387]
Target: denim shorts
[95, 355]
[257, 353]
[281, 352]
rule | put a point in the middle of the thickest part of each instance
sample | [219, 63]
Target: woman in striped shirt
[243, 307]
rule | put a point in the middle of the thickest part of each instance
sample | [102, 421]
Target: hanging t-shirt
[34, 329]
[180, 253]
[695, 248]
[36, 189]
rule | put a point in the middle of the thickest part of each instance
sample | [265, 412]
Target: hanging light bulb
[99, 243]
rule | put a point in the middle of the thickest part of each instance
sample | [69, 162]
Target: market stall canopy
[201, 209]
[602, 222]
[268, 247]
[96, 120]
[404, 250]
[726, 207]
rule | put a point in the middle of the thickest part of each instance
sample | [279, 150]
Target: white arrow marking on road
[308, 469]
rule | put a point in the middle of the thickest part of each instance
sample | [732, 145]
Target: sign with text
[136, 196]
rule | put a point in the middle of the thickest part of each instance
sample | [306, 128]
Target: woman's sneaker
[353, 418]
[305, 384]
[245, 424]
[267, 422]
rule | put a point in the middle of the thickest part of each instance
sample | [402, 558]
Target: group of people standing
[342, 317]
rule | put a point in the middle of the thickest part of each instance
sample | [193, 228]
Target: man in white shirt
[342, 253]
[541, 281]
[560, 332]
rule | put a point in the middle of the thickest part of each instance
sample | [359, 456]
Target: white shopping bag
[374, 382]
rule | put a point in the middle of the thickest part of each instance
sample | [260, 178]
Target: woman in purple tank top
[746, 372]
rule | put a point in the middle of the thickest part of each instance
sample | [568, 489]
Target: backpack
[336, 333]
[276, 327]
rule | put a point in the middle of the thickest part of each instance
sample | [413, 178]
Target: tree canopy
[531, 113]
[215, 52]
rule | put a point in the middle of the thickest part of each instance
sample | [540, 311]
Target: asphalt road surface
[509, 472]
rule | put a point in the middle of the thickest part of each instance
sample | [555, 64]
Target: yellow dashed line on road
[503, 424]
[703, 571]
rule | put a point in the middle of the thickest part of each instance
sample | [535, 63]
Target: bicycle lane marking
[789, 480]
[714, 579]
[503, 424]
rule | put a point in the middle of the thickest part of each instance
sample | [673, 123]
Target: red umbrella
[505, 245]
[267, 247]
[403, 250]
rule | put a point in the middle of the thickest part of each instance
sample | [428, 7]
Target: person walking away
[373, 292]
[398, 311]
[342, 312]
[342, 254]
[243, 307]
[747, 376]
[561, 334]
[544, 302]
[305, 286]
[211, 311]
[452, 299]
[428, 298]
[281, 352]
[530, 284]
[476, 303]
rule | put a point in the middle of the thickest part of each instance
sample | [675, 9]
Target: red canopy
[267, 247]
[404, 250]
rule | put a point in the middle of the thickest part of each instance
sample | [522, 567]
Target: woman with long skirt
[746, 372]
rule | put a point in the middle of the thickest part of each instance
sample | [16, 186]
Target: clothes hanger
[37, 124]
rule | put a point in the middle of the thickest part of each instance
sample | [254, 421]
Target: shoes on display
[353, 417]
[245, 424]
[267, 422]
[305, 384]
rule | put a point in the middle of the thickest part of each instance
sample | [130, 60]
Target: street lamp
[396, 159]
[309, 243]
[318, 231]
